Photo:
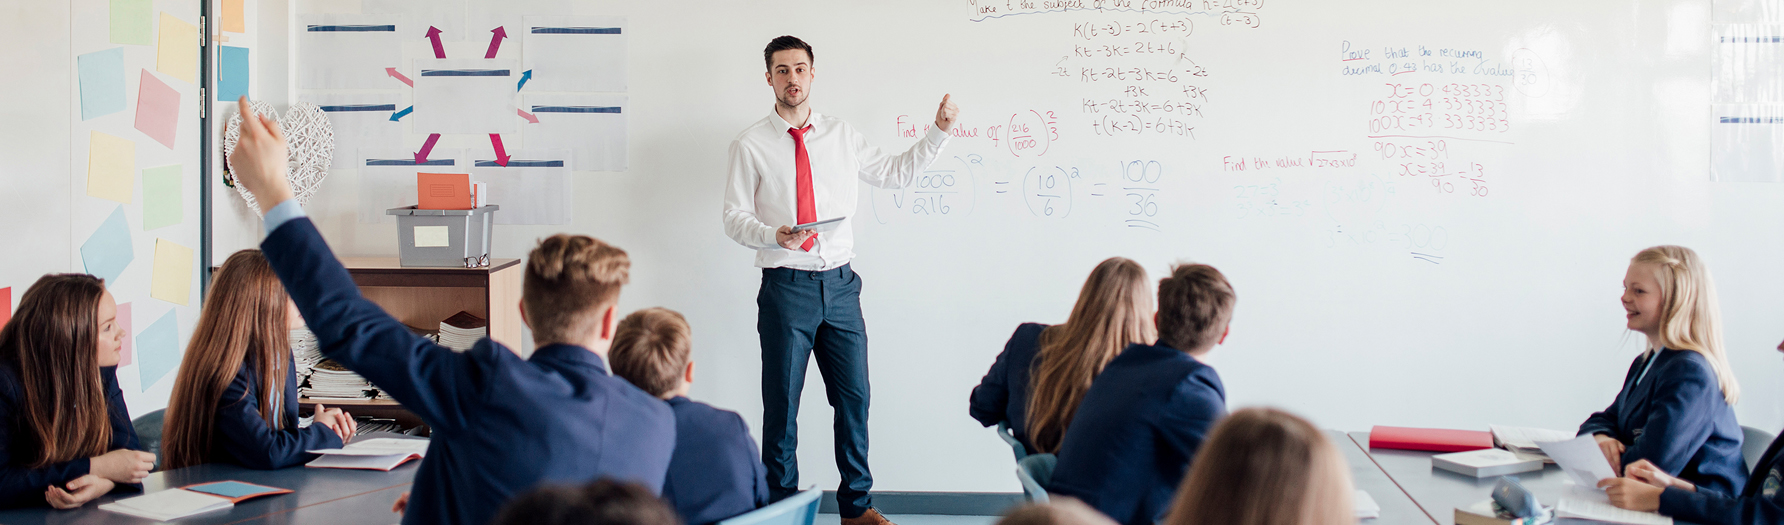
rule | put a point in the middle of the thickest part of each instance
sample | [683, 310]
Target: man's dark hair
[604, 502]
[783, 43]
[1194, 305]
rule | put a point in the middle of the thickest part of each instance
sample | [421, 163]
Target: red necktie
[808, 208]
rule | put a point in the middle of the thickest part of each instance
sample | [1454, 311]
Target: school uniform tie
[808, 209]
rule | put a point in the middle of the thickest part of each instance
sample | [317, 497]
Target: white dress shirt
[761, 194]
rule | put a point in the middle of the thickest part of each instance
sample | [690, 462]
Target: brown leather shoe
[871, 517]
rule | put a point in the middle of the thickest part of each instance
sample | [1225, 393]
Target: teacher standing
[792, 167]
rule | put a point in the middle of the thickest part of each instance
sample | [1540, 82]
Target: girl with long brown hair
[1043, 372]
[65, 433]
[236, 397]
[1263, 466]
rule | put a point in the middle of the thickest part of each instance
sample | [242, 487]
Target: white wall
[34, 205]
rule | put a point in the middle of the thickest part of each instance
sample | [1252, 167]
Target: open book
[371, 454]
[191, 500]
[1523, 440]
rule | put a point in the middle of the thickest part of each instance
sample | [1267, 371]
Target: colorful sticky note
[159, 348]
[232, 73]
[233, 19]
[5, 305]
[176, 54]
[102, 82]
[108, 250]
[130, 22]
[124, 325]
[172, 278]
[161, 198]
[111, 167]
[157, 109]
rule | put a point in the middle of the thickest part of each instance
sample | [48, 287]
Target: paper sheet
[533, 189]
[158, 346]
[129, 337]
[172, 278]
[387, 180]
[591, 126]
[161, 197]
[447, 15]
[234, 19]
[465, 96]
[130, 22]
[575, 53]
[157, 109]
[1747, 143]
[1526, 437]
[362, 123]
[108, 250]
[111, 167]
[1582, 503]
[102, 82]
[232, 73]
[176, 53]
[349, 51]
[1582, 460]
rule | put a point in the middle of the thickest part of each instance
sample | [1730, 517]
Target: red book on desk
[1432, 439]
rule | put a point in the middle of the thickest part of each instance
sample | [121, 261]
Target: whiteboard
[1425, 208]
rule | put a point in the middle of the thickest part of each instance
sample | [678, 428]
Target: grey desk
[311, 487]
[1439, 491]
[1397, 508]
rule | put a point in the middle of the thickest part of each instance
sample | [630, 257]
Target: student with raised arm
[1146, 415]
[1264, 466]
[796, 166]
[235, 400]
[716, 473]
[500, 424]
[1675, 409]
[1644, 486]
[1036, 383]
[65, 433]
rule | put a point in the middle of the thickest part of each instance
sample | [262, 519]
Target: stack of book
[462, 331]
[330, 380]
[305, 352]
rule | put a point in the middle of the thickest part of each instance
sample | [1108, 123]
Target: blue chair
[148, 431]
[1035, 471]
[1003, 431]
[800, 509]
[1753, 444]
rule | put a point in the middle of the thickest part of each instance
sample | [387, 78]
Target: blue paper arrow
[524, 77]
[400, 114]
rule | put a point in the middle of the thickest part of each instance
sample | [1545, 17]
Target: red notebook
[443, 191]
[1432, 439]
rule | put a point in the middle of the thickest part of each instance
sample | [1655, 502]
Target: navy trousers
[802, 313]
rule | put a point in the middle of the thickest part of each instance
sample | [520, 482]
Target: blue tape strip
[360, 107]
[575, 30]
[464, 72]
[576, 109]
[350, 29]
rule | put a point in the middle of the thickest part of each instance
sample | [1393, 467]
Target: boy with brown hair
[500, 424]
[715, 473]
[1145, 416]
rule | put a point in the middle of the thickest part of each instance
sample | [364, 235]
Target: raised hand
[259, 160]
[946, 114]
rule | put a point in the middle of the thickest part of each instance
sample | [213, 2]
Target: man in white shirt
[794, 167]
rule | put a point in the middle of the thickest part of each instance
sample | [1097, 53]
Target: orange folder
[443, 191]
[1431, 439]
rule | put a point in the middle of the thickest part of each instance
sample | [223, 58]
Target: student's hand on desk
[1613, 451]
[259, 160]
[1644, 471]
[80, 491]
[122, 465]
[402, 503]
[1631, 494]
[337, 420]
[946, 114]
[790, 239]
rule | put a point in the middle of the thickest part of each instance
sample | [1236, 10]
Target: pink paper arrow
[529, 116]
[433, 33]
[399, 76]
[426, 148]
[495, 41]
[501, 154]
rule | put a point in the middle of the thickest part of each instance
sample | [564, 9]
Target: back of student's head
[1690, 319]
[604, 502]
[52, 342]
[1194, 305]
[651, 349]
[1262, 466]
[1060, 510]
[244, 321]
[570, 282]
[1114, 309]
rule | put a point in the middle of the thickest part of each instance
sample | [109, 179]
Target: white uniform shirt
[761, 194]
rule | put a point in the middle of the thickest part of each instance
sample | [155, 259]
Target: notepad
[197, 499]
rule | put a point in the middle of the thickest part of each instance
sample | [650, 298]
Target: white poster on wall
[465, 96]
[387, 180]
[575, 53]
[362, 122]
[534, 188]
[591, 125]
[348, 51]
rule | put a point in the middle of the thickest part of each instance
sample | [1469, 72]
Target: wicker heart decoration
[308, 138]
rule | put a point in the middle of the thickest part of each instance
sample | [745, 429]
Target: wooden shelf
[422, 297]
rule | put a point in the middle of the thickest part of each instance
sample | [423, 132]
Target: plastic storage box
[443, 238]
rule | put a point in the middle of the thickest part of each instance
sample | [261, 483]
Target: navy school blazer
[241, 437]
[1762, 503]
[716, 472]
[501, 425]
[1677, 419]
[1135, 433]
[1003, 394]
[23, 486]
